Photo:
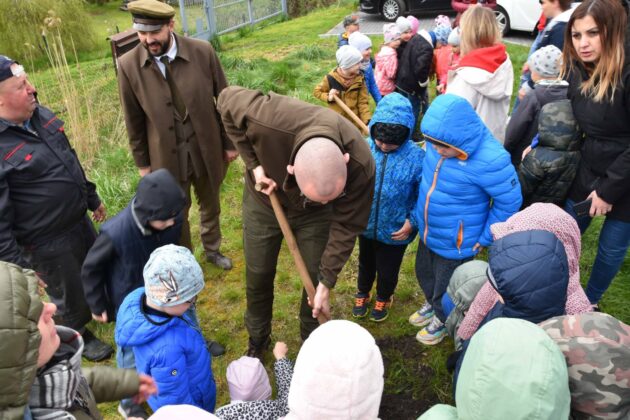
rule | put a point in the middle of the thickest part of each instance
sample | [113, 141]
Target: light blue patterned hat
[172, 276]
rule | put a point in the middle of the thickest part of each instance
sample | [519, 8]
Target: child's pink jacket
[385, 71]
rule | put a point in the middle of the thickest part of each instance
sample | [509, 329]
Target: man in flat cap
[168, 88]
[44, 199]
[322, 172]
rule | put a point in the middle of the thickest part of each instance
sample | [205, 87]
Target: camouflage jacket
[596, 347]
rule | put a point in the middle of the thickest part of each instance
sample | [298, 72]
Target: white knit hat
[348, 56]
[391, 32]
[403, 24]
[359, 41]
[338, 375]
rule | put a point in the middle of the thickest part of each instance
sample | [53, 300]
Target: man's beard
[163, 49]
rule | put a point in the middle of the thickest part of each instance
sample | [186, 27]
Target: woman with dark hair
[597, 66]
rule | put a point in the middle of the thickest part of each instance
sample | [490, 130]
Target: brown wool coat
[355, 96]
[269, 129]
[146, 102]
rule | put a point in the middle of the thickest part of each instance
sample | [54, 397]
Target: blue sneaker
[422, 316]
[432, 333]
[361, 302]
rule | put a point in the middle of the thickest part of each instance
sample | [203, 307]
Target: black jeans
[58, 263]
[378, 258]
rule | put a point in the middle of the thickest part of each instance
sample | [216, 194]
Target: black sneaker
[381, 309]
[130, 409]
[219, 260]
[257, 350]
[94, 349]
[214, 348]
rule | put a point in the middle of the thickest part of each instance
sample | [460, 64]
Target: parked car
[519, 15]
[392, 9]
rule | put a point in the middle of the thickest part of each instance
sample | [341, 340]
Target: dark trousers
[209, 212]
[58, 263]
[382, 260]
[262, 239]
[434, 273]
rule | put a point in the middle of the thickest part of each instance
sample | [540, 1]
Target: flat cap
[150, 15]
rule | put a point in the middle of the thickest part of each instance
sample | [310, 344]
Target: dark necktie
[177, 98]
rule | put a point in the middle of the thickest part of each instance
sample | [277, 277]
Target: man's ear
[291, 169]
[346, 157]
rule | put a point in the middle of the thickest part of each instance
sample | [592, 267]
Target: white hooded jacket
[485, 78]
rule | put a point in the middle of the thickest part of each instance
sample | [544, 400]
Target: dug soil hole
[408, 391]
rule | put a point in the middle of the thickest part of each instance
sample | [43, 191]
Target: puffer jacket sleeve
[111, 384]
[371, 84]
[500, 182]
[530, 175]
[389, 66]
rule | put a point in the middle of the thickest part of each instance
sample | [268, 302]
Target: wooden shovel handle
[293, 248]
[364, 128]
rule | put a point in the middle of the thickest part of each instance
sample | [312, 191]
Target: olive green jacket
[20, 309]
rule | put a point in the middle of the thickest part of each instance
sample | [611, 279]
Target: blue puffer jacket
[397, 174]
[461, 197]
[370, 83]
[172, 351]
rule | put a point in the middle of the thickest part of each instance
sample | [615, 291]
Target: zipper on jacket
[426, 203]
[378, 195]
[460, 236]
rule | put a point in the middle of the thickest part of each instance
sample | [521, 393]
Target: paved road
[373, 25]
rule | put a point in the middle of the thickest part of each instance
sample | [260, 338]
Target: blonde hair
[479, 29]
[605, 75]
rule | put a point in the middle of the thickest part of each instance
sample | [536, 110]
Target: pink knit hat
[415, 23]
[248, 380]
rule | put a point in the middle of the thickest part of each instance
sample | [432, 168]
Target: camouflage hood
[597, 350]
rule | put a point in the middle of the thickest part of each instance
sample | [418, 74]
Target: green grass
[287, 57]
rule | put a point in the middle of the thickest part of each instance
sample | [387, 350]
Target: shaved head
[320, 169]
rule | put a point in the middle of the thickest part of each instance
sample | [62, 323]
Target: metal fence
[204, 18]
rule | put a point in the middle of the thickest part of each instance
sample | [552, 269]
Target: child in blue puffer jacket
[398, 170]
[468, 183]
[157, 323]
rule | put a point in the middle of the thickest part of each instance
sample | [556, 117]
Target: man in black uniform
[44, 198]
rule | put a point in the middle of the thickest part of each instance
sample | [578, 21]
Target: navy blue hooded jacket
[530, 271]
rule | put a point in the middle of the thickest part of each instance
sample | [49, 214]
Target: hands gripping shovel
[293, 248]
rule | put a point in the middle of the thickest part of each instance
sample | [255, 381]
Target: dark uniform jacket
[43, 189]
[269, 129]
[547, 172]
[147, 105]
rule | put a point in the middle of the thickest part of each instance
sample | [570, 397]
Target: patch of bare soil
[405, 372]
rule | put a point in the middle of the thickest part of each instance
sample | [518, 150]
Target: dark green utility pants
[262, 238]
